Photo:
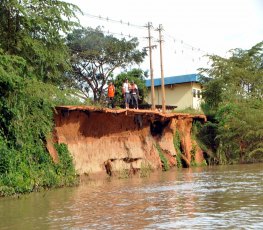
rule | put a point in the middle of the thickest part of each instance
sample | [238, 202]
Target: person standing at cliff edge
[111, 93]
[134, 95]
[126, 92]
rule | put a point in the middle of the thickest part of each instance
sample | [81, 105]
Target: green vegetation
[205, 136]
[145, 169]
[32, 66]
[44, 54]
[193, 152]
[189, 110]
[194, 136]
[233, 96]
[26, 108]
[166, 166]
[32, 30]
[177, 147]
[46, 57]
[123, 174]
[65, 169]
[95, 56]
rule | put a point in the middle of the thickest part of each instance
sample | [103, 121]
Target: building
[182, 91]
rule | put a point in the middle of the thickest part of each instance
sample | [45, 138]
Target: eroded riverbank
[105, 142]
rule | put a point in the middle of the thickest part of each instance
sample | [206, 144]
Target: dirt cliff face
[110, 141]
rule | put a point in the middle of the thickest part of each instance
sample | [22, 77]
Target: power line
[122, 22]
[120, 34]
[114, 20]
[180, 48]
[185, 44]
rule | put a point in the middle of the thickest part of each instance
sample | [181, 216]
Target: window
[194, 92]
[198, 93]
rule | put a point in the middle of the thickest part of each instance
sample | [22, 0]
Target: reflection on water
[229, 197]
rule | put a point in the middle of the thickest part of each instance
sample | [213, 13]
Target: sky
[191, 28]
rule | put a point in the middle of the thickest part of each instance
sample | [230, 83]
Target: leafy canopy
[34, 30]
[233, 95]
[95, 56]
[33, 58]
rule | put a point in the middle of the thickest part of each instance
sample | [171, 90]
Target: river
[218, 197]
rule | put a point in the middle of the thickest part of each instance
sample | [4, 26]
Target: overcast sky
[192, 28]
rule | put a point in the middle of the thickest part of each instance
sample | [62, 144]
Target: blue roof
[174, 80]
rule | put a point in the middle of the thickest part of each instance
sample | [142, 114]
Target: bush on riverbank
[26, 119]
[33, 170]
[233, 96]
[33, 61]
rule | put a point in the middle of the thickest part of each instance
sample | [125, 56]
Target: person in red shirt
[111, 94]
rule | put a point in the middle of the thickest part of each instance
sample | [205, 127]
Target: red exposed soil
[108, 141]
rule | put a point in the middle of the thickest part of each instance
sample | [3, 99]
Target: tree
[34, 30]
[234, 96]
[236, 78]
[95, 56]
[33, 57]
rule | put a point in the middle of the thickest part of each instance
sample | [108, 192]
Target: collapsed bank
[105, 142]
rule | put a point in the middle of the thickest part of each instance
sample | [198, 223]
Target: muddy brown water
[220, 197]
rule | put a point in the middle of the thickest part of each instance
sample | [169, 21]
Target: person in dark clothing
[134, 95]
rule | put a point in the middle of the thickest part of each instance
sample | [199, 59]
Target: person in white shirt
[126, 92]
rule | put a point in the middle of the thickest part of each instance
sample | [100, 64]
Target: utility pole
[160, 29]
[150, 47]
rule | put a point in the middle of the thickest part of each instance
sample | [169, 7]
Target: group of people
[130, 93]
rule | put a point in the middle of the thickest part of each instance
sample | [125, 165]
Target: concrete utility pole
[150, 47]
[160, 29]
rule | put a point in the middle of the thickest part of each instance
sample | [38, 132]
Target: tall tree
[236, 78]
[34, 30]
[33, 57]
[234, 96]
[95, 56]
